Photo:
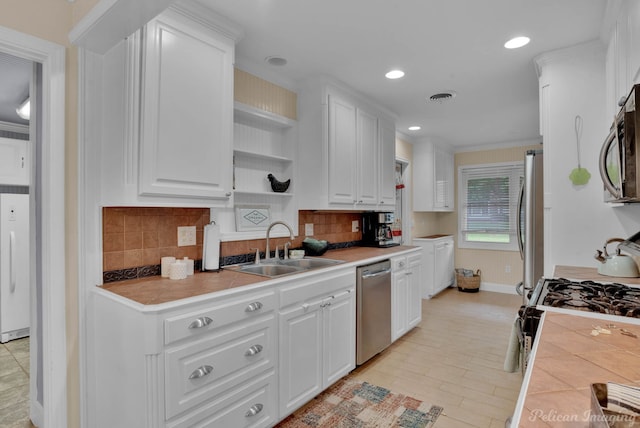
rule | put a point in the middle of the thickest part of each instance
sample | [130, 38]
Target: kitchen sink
[277, 268]
[310, 263]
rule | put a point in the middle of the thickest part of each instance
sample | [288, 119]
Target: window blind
[490, 199]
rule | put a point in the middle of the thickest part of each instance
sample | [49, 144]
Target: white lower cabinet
[438, 262]
[246, 359]
[317, 337]
[198, 364]
[406, 293]
[196, 371]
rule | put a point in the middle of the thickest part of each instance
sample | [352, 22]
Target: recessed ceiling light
[517, 42]
[276, 60]
[394, 74]
[414, 128]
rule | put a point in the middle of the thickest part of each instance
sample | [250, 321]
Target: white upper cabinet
[387, 162]
[167, 107]
[14, 162]
[367, 150]
[187, 110]
[623, 54]
[343, 154]
[346, 151]
[433, 178]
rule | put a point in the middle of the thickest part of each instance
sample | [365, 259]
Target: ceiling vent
[442, 96]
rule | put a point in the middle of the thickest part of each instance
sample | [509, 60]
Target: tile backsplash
[136, 238]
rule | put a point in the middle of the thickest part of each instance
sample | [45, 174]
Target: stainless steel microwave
[619, 156]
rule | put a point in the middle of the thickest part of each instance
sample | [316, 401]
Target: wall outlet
[355, 226]
[308, 229]
[507, 269]
[186, 236]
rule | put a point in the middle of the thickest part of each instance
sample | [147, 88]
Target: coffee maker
[376, 229]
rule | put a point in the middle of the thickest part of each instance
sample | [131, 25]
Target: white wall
[572, 82]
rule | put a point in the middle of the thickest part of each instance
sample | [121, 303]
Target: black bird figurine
[278, 186]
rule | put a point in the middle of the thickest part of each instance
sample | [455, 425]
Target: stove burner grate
[610, 298]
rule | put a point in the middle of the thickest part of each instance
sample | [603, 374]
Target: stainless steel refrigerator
[531, 223]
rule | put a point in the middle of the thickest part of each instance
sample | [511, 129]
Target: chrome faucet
[267, 256]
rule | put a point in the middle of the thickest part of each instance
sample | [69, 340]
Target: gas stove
[605, 298]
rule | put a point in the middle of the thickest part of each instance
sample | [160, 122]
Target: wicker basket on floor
[468, 284]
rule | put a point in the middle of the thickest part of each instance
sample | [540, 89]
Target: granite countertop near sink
[157, 290]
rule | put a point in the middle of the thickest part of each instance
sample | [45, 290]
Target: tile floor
[453, 359]
[14, 384]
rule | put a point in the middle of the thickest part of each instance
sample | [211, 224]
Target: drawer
[321, 285]
[197, 372]
[217, 315]
[250, 405]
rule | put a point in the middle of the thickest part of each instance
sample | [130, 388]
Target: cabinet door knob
[253, 410]
[252, 307]
[253, 350]
[200, 322]
[228, 194]
[200, 372]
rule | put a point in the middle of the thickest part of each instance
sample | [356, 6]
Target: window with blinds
[488, 205]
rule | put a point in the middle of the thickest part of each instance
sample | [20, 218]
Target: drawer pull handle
[200, 322]
[254, 410]
[255, 349]
[252, 307]
[200, 372]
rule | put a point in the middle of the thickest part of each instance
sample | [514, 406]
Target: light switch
[186, 236]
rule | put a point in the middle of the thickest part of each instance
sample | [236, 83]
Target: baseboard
[498, 288]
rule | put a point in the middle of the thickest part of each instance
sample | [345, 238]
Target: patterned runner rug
[350, 403]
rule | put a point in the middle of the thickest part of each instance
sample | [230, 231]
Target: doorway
[48, 387]
[18, 78]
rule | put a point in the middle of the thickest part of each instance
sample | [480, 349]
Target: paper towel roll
[189, 262]
[178, 270]
[165, 263]
[211, 247]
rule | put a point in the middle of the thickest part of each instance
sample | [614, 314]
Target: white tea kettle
[617, 264]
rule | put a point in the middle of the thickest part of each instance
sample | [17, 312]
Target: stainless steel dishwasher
[373, 310]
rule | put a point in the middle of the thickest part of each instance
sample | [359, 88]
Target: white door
[398, 304]
[443, 265]
[387, 171]
[187, 112]
[414, 290]
[339, 337]
[14, 267]
[342, 151]
[367, 156]
[300, 356]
